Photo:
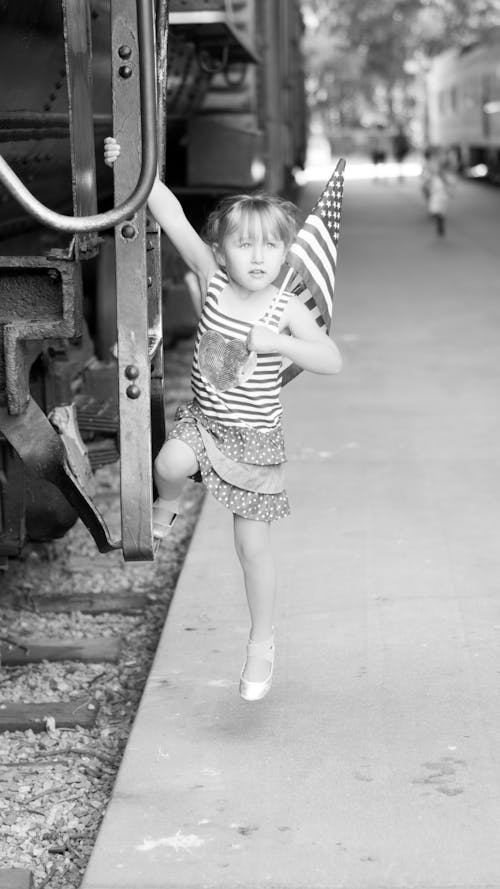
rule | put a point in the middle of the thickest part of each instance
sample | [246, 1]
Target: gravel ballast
[55, 783]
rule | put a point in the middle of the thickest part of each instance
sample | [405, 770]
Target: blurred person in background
[400, 148]
[378, 146]
[425, 174]
[438, 186]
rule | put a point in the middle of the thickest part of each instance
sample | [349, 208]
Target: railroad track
[78, 634]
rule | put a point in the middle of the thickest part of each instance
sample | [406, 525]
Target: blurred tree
[362, 54]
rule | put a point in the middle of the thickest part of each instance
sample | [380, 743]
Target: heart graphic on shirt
[225, 363]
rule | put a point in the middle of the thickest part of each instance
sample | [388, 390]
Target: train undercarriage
[81, 321]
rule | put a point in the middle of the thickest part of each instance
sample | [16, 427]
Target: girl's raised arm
[168, 212]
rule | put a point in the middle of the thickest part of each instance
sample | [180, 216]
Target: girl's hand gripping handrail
[100, 221]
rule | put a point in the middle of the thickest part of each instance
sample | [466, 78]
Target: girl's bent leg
[253, 546]
[175, 462]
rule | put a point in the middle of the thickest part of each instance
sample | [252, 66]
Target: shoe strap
[263, 649]
[158, 518]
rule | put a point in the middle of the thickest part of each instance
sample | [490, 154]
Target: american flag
[312, 258]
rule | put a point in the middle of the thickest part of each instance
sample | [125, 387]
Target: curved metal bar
[100, 221]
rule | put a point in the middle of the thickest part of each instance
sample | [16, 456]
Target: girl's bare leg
[175, 462]
[253, 546]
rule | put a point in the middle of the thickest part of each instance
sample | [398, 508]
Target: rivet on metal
[125, 71]
[133, 391]
[124, 51]
[131, 372]
[128, 231]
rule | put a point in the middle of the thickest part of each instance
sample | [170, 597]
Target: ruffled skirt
[243, 468]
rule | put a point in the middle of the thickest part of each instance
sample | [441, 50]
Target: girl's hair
[278, 218]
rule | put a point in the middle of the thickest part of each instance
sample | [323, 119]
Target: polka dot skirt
[243, 445]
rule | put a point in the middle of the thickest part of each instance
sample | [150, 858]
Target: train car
[250, 128]
[463, 104]
[210, 91]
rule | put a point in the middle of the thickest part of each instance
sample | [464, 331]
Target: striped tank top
[256, 402]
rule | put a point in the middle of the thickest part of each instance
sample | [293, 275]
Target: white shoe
[163, 519]
[255, 691]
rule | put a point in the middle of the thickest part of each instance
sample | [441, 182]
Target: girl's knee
[175, 461]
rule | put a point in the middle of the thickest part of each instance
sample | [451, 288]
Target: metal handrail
[100, 221]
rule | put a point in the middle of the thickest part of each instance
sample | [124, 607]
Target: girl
[230, 435]
[440, 181]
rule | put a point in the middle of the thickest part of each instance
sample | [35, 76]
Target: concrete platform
[373, 763]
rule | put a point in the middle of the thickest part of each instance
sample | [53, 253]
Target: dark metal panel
[162, 59]
[78, 50]
[12, 501]
[43, 300]
[98, 222]
[219, 29]
[268, 19]
[43, 453]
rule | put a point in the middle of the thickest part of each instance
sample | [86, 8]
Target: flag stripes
[313, 258]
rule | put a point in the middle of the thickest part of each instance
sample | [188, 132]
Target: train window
[453, 98]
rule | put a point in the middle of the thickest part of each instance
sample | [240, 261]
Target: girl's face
[251, 257]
